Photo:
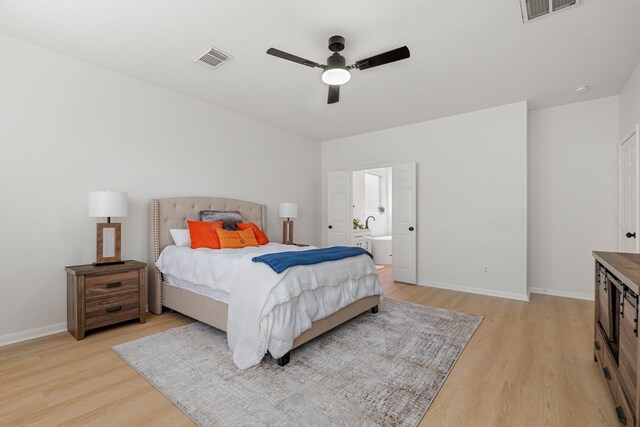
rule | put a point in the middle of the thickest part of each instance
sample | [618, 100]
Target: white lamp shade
[107, 204]
[288, 210]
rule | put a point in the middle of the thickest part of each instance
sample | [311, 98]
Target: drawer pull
[607, 374]
[597, 345]
[113, 285]
[621, 417]
[118, 308]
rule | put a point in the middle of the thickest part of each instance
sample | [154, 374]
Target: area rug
[380, 369]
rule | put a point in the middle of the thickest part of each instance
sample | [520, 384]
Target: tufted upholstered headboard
[166, 214]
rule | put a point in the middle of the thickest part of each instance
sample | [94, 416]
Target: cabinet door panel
[603, 302]
[628, 351]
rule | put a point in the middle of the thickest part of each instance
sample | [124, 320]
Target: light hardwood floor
[529, 364]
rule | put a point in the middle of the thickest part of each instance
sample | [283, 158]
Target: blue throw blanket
[280, 261]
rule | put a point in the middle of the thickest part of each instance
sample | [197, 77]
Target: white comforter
[211, 267]
[267, 311]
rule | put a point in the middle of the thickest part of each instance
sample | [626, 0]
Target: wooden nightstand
[101, 296]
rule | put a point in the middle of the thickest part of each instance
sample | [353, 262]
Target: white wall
[68, 127]
[630, 104]
[573, 194]
[472, 194]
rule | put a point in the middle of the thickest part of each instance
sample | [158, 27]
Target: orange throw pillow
[236, 239]
[203, 234]
[260, 236]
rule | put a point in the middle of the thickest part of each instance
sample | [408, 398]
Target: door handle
[606, 372]
[631, 235]
[411, 228]
[331, 226]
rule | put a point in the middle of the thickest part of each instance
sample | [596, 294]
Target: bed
[170, 213]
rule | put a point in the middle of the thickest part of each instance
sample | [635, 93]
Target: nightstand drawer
[111, 284]
[105, 311]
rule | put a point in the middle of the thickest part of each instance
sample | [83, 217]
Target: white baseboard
[32, 333]
[560, 293]
[474, 290]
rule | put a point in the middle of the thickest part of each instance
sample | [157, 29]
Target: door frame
[364, 168]
[350, 171]
[636, 132]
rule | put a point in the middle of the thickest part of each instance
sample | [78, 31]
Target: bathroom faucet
[366, 222]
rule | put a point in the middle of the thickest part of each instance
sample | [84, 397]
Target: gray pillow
[229, 219]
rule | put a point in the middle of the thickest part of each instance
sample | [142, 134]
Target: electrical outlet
[486, 269]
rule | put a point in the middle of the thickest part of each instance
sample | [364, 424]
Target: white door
[338, 212]
[403, 194]
[629, 241]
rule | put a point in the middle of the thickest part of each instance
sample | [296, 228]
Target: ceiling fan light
[336, 76]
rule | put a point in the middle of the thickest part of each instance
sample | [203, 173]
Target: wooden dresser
[101, 296]
[617, 286]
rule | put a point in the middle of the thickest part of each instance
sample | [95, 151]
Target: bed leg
[374, 309]
[284, 359]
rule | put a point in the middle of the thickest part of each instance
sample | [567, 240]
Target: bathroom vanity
[361, 238]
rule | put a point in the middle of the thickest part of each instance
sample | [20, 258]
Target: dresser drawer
[111, 284]
[105, 311]
[609, 371]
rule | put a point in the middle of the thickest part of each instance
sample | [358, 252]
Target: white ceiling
[465, 55]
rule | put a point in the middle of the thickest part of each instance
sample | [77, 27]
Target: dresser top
[625, 266]
[89, 269]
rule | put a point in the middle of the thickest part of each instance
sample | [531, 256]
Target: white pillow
[180, 236]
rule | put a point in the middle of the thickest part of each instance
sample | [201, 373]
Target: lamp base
[108, 244]
[101, 264]
[287, 232]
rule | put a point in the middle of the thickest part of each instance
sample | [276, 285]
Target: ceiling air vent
[532, 9]
[212, 57]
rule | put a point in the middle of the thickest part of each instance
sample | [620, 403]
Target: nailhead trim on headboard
[264, 219]
[155, 306]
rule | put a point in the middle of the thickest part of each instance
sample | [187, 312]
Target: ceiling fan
[336, 72]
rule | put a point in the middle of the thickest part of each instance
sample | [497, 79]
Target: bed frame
[172, 213]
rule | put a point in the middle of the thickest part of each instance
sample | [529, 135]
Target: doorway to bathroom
[376, 209]
[372, 211]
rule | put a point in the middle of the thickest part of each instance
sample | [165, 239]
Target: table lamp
[108, 238]
[287, 210]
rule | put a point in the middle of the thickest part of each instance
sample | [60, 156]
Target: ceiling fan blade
[334, 94]
[383, 58]
[292, 58]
